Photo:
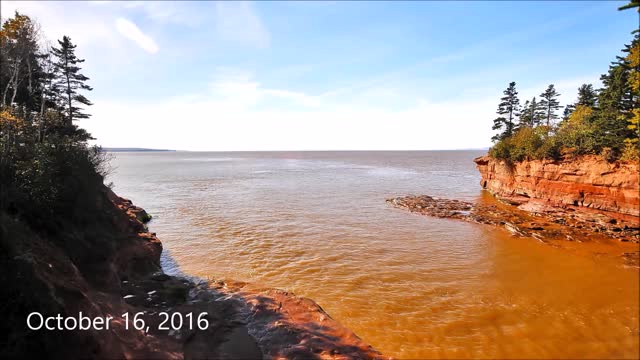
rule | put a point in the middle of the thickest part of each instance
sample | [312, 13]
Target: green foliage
[631, 152]
[527, 143]
[70, 81]
[146, 218]
[532, 114]
[509, 109]
[577, 133]
[604, 122]
[632, 4]
[48, 172]
[551, 148]
[587, 96]
[549, 104]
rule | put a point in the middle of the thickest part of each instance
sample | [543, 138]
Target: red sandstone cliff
[587, 183]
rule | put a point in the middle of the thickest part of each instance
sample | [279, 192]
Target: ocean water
[316, 223]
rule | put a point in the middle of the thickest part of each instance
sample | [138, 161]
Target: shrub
[56, 179]
[550, 149]
[631, 152]
[501, 150]
[577, 134]
[523, 145]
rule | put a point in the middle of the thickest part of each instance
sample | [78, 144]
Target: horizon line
[134, 149]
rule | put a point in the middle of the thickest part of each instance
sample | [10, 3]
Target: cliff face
[76, 267]
[587, 183]
[111, 266]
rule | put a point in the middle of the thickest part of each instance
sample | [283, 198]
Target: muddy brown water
[317, 224]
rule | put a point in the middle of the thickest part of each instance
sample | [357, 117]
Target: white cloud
[237, 88]
[132, 32]
[238, 21]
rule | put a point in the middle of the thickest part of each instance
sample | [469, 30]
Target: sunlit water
[316, 223]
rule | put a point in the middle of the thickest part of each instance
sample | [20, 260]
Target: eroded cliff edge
[587, 183]
[111, 265]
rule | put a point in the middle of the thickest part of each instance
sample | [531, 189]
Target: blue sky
[324, 75]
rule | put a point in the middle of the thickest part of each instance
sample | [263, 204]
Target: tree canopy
[46, 165]
[603, 122]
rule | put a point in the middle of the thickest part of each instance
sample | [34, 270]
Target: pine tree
[616, 104]
[632, 4]
[532, 114]
[538, 112]
[69, 80]
[616, 95]
[550, 104]
[509, 108]
[587, 96]
[526, 116]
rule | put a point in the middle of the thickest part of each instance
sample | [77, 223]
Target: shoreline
[251, 322]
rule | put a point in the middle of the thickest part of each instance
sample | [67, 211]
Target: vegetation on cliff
[58, 230]
[48, 172]
[603, 121]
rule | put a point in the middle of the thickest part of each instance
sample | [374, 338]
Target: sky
[324, 75]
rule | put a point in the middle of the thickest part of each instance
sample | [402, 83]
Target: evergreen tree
[616, 102]
[69, 80]
[550, 104]
[538, 112]
[509, 108]
[632, 4]
[615, 95]
[587, 96]
[526, 117]
[532, 115]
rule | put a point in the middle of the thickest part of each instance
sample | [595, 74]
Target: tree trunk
[41, 118]
[6, 88]
[66, 65]
[30, 87]
[16, 82]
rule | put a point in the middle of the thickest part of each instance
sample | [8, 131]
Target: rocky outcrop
[543, 226]
[587, 184]
[111, 266]
[546, 227]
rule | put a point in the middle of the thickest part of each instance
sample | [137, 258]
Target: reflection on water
[316, 223]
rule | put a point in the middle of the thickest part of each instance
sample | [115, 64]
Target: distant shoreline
[134, 150]
[279, 151]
